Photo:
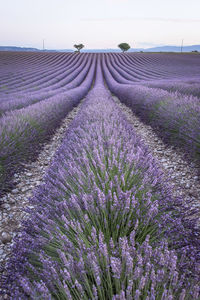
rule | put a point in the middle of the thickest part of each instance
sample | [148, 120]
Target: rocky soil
[13, 204]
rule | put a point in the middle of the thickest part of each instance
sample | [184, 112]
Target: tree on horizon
[79, 47]
[124, 47]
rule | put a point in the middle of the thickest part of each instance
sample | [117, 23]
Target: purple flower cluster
[102, 222]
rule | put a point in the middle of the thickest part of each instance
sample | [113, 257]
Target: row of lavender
[175, 115]
[187, 86]
[104, 225]
[23, 131]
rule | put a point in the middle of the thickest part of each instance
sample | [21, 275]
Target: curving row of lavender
[23, 131]
[104, 224]
[187, 86]
[174, 115]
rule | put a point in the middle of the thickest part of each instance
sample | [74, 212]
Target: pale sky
[99, 23]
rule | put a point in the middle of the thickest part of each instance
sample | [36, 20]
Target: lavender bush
[188, 87]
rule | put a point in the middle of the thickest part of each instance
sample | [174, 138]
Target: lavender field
[104, 223]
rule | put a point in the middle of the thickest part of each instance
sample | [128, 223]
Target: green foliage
[79, 47]
[124, 47]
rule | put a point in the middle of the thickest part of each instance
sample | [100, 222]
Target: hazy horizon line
[143, 47]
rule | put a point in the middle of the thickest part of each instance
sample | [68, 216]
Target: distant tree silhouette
[124, 46]
[79, 47]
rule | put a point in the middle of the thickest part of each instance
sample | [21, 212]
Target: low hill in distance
[13, 48]
[172, 49]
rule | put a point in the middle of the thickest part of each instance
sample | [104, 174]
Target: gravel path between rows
[181, 174]
[13, 204]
